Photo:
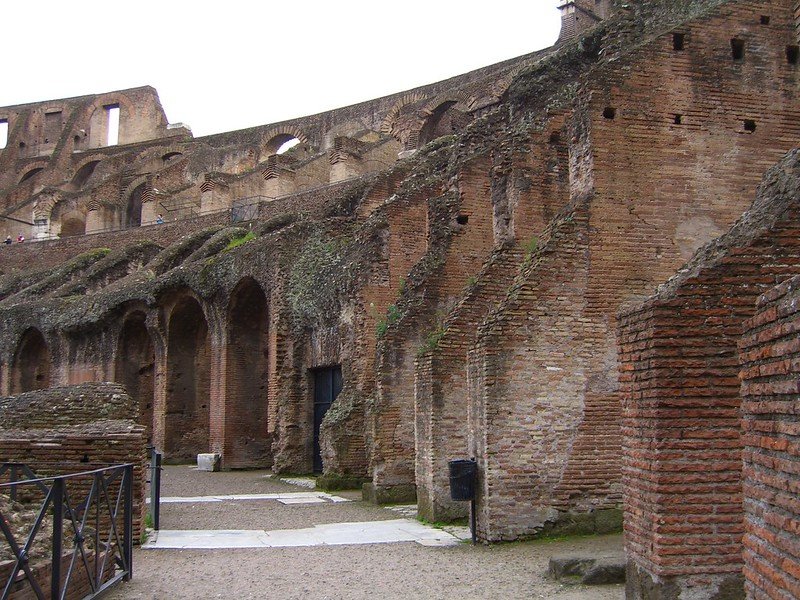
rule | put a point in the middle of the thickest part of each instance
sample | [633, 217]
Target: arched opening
[31, 368]
[135, 367]
[247, 442]
[445, 120]
[83, 174]
[73, 223]
[170, 155]
[186, 425]
[282, 143]
[32, 173]
[133, 211]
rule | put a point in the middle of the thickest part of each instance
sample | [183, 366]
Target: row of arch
[170, 376]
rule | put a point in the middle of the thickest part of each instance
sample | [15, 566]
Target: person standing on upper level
[20, 238]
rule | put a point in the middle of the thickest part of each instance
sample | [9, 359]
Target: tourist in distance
[8, 241]
[160, 219]
[20, 238]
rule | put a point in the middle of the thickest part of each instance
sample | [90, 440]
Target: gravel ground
[385, 571]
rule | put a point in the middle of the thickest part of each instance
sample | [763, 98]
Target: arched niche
[83, 174]
[31, 367]
[247, 442]
[68, 219]
[186, 418]
[443, 120]
[31, 174]
[133, 208]
[135, 365]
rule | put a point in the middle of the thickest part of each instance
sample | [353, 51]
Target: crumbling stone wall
[679, 367]
[769, 352]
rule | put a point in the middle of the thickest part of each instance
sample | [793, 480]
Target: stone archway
[134, 367]
[186, 419]
[31, 367]
[247, 442]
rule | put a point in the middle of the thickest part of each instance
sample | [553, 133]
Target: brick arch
[134, 196]
[31, 169]
[112, 98]
[272, 140]
[30, 366]
[69, 214]
[247, 440]
[392, 122]
[134, 366]
[187, 376]
[87, 160]
[159, 152]
[435, 120]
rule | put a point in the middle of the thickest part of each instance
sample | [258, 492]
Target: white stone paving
[334, 534]
[283, 498]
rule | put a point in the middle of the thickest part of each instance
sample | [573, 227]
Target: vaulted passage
[186, 422]
[31, 368]
[134, 367]
[133, 211]
[247, 442]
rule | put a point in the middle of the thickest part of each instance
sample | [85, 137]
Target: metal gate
[89, 519]
[327, 385]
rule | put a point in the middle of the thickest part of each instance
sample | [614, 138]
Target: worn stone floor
[285, 541]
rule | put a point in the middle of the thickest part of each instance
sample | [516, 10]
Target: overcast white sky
[225, 65]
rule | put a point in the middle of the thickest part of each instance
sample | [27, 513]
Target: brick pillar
[770, 356]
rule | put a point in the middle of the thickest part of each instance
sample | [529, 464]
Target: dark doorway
[327, 385]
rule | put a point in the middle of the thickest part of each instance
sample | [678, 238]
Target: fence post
[58, 532]
[155, 487]
[128, 550]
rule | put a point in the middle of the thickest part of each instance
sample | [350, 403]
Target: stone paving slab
[335, 534]
[284, 498]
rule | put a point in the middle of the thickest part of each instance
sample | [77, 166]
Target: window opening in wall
[609, 113]
[765, 19]
[286, 146]
[678, 41]
[3, 133]
[737, 49]
[112, 112]
[677, 119]
[749, 125]
[792, 54]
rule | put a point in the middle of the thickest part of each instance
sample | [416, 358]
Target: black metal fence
[67, 536]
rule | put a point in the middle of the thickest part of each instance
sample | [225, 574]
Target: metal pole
[58, 531]
[472, 521]
[155, 486]
[128, 483]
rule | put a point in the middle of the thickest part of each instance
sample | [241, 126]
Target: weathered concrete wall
[682, 468]
[770, 355]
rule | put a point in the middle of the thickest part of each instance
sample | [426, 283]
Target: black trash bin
[462, 479]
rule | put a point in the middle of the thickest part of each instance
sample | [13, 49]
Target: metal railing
[91, 541]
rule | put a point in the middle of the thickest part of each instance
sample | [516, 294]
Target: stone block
[208, 462]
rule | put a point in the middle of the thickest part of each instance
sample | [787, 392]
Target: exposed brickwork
[679, 369]
[770, 354]
[66, 430]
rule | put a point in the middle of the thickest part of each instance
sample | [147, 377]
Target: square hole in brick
[609, 113]
[792, 54]
[678, 41]
[677, 119]
[749, 125]
[765, 19]
[737, 49]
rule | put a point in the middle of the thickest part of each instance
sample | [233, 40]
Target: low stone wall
[770, 356]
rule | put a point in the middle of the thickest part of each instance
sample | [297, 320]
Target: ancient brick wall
[392, 421]
[770, 355]
[682, 466]
[525, 193]
[71, 429]
[316, 202]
